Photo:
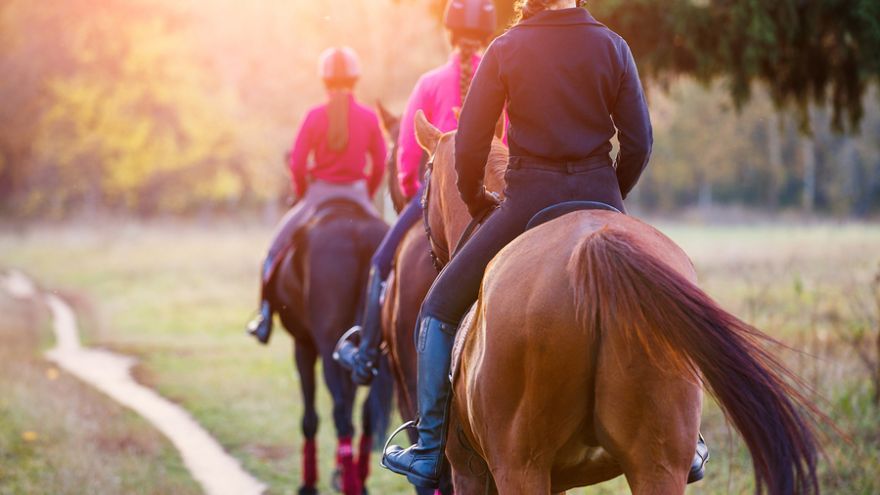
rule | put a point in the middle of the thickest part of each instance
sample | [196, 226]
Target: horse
[318, 292]
[585, 357]
[391, 126]
[407, 285]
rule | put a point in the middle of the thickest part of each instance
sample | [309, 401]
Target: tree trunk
[705, 197]
[849, 158]
[808, 157]
[774, 160]
[877, 325]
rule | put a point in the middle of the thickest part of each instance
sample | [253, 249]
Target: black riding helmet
[471, 18]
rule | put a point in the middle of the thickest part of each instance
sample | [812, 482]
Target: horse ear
[426, 134]
[387, 119]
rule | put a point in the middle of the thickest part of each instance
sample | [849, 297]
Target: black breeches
[528, 191]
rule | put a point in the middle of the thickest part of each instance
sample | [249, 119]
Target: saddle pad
[464, 330]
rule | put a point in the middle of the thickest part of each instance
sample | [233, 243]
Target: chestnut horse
[585, 355]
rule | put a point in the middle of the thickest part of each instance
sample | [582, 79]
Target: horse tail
[678, 324]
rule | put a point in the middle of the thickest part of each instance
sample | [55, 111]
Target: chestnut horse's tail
[623, 288]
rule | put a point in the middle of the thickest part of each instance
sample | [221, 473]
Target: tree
[816, 51]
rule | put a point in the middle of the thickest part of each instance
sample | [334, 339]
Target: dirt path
[217, 472]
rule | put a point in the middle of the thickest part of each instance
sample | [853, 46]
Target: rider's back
[339, 166]
[569, 84]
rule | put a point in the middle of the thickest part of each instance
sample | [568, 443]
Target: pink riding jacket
[437, 93]
[339, 167]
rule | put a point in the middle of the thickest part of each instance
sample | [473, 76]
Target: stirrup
[406, 426]
[700, 473]
[347, 338]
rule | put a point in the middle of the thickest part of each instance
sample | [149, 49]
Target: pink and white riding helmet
[339, 65]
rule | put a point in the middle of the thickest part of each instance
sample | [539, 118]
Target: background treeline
[177, 107]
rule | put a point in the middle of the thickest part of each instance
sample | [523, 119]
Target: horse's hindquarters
[525, 389]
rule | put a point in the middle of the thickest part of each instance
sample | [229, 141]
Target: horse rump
[621, 287]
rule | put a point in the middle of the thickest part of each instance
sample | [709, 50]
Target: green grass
[59, 436]
[177, 295]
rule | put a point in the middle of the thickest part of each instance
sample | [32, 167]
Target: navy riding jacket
[568, 81]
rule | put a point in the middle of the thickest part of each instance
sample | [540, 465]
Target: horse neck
[447, 213]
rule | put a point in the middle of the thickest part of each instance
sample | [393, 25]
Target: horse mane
[496, 165]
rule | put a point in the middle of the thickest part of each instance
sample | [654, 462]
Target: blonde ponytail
[466, 50]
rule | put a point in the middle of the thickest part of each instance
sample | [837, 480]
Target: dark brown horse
[586, 355]
[318, 290]
[411, 277]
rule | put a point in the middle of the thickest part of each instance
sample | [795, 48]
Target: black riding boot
[261, 326]
[423, 462]
[366, 361]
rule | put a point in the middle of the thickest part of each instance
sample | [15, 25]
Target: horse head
[390, 124]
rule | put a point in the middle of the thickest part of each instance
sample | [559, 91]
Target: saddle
[334, 208]
[558, 210]
[330, 209]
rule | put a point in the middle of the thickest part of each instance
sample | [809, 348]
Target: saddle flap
[464, 330]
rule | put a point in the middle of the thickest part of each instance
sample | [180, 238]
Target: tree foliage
[816, 51]
[180, 106]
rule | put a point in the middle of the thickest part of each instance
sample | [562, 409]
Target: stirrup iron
[406, 426]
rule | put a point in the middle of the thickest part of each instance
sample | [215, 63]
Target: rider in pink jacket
[437, 93]
[342, 137]
[343, 166]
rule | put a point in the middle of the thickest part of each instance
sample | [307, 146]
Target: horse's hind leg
[374, 417]
[342, 390]
[646, 417]
[306, 356]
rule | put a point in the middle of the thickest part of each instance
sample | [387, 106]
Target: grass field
[58, 436]
[178, 295]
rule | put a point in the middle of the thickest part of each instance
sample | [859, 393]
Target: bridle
[433, 246]
[440, 255]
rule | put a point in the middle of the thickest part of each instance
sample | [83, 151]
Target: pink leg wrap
[345, 460]
[364, 450]
[310, 463]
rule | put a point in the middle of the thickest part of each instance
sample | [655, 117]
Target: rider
[438, 93]
[338, 135]
[568, 82]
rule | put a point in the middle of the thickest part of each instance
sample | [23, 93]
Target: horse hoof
[307, 490]
[336, 480]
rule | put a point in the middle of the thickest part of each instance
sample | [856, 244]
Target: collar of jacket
[560, 17]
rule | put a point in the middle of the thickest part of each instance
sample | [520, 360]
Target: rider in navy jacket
[560, 101]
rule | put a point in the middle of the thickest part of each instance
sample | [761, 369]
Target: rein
[433, 246]
[439, 254]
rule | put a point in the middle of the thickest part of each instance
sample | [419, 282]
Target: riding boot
[698, 465]
[261, 326]
[422, 463]
[366, 361]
